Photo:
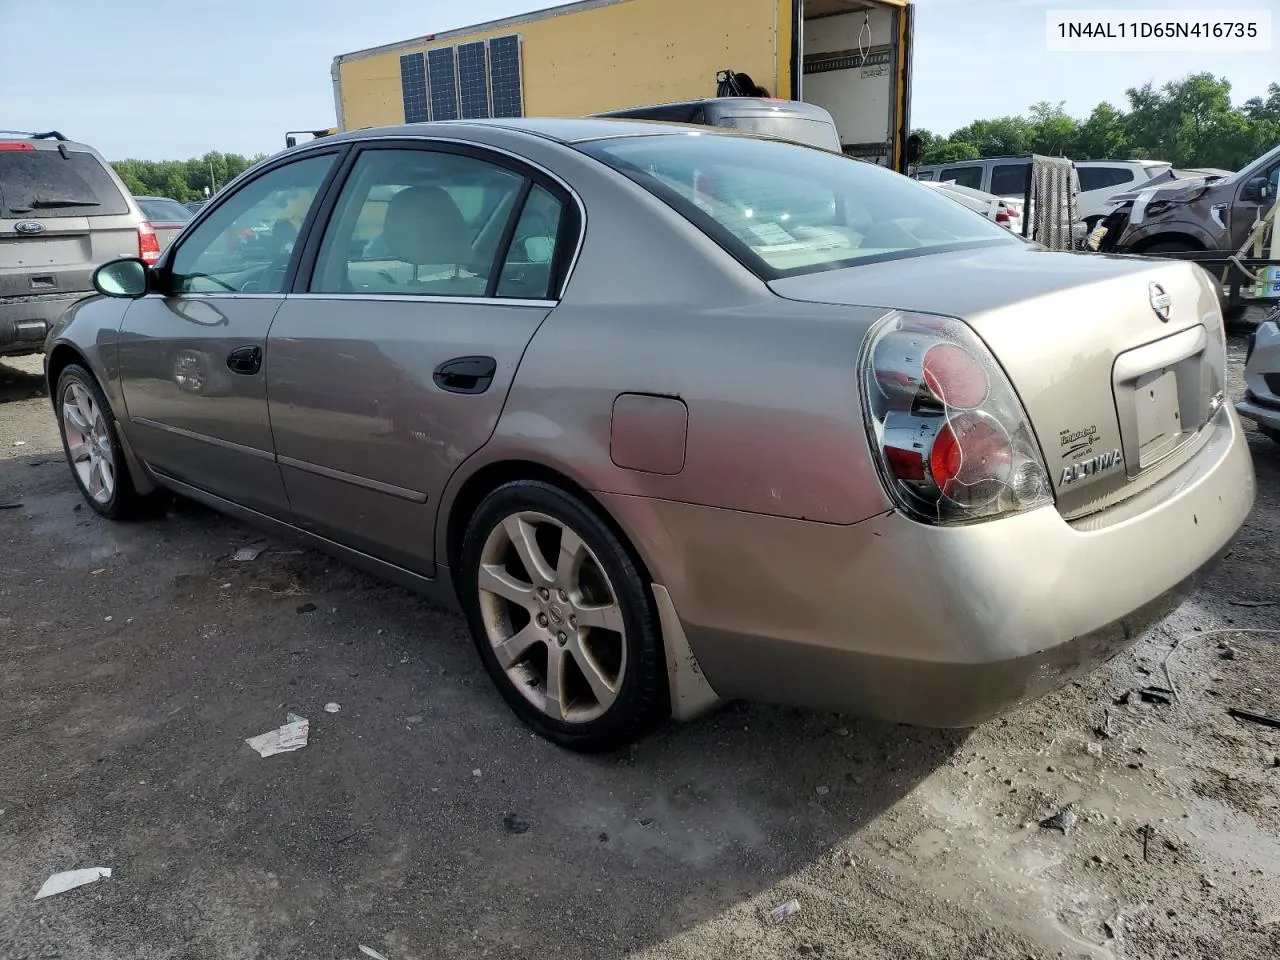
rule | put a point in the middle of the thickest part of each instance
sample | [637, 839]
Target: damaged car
[1204, 213]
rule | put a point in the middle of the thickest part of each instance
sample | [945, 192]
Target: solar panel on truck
[444, 84]
[504, 77]
[413, 85]
[473, 80]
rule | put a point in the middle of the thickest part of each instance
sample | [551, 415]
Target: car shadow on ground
[421, 816]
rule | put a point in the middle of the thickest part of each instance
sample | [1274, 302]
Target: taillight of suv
[148, 243]
[950, 436]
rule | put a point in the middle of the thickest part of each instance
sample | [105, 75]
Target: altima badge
[1091, 467]
[1161, 302]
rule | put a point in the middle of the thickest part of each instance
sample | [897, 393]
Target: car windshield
[45, 184]
[783, 209]
[815, 133]
[163, 210]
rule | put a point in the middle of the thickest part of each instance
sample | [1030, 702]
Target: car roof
[566, 130]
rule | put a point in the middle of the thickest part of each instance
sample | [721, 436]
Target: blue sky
[175, 79]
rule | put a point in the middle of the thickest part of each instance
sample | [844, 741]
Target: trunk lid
[1117, 394]
[61, 257]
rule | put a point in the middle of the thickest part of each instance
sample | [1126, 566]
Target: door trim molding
[413, 496]
[204, 438]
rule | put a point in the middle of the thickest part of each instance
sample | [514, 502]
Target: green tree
[1053, 133]
[1103, 136]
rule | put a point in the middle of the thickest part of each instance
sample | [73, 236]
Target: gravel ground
[424, 822]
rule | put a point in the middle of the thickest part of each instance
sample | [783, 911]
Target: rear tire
[91, 442]
[563, 619]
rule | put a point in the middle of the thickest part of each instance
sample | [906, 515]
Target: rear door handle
[466, 374]
[245, 360]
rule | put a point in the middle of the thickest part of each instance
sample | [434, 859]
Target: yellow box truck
[850, 57]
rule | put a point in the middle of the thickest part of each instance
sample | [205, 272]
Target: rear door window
[1009, 179]
[965, 176]
[43, 184]
[1100, 178]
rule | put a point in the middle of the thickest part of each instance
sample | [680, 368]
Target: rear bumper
[25, 321]
[935, 626]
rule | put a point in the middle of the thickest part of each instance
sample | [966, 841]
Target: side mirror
[1259, 188]
[126, 277]
[915, 150]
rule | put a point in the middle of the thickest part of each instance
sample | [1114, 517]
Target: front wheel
[92, 444]
[563, 618]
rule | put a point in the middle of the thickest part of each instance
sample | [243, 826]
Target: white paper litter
[332, 707]
[70, 879]
[292, 736]
[370, 952]
[251, 552]
[784, 911]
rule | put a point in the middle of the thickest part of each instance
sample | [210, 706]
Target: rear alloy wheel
[563, 619]
[92, 445]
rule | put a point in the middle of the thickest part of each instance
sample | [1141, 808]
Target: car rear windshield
[784, 210]
[163, 210]
[44, 184]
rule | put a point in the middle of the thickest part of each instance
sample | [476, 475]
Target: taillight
[1002, 216]
[951, 438]
[148, 243]
[15, 145]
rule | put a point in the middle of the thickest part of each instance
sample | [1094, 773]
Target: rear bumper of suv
[24, 321]
[938, 626]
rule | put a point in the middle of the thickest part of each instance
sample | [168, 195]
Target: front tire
[91, 441]
[563, 619]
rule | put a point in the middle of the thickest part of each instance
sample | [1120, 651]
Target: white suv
[1007, 177]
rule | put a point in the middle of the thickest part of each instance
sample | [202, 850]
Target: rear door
[61, 215]
[191, 357]
[391, 363]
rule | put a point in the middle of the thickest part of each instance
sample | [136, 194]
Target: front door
[391, 364]
[1246, 212]
[192, 356]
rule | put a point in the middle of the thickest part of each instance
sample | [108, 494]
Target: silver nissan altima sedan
[675, 415]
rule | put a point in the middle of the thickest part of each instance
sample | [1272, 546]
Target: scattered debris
[1063, 820]
[842, 732]
[16, 506]
[514, 824]
[70, 879]
[99, 572]
[644, 821]
[1109, 929]
[332, 707]
[1094, 750]
[19, 443]
[1157, 695]
[823, 790]
[784, 911]
[306, 607]
[1146, 842]
[1227, 653]
[370, 952]
[1123, 699]
[1253, 603]
[252, 552]
[475, 772]
[1207, 883]
[1104, 729]
[1252, 717]
[291, 736]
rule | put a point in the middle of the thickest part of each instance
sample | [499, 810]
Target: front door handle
[245, 360]
[466, 374]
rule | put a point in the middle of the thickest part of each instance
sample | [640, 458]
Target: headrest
[424, 226]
